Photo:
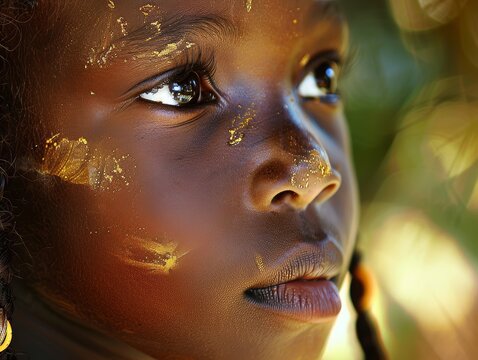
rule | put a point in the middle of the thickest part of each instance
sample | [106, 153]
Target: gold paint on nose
[311, 169]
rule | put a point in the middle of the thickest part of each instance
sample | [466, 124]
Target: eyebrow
[159, 34]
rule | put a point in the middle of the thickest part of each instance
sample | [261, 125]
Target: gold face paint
[239, 124]
[76, 162]
[155, 254]
[157, 25]
[317, 167]
[260, 263]
[167, 50]
[111, 4]
[248, 5]
[123, 24]
[305, 60]
[147, 9]
[100, 59]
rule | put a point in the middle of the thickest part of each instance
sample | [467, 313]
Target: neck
[40, 333]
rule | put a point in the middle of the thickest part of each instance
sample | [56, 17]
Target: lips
[302, 287]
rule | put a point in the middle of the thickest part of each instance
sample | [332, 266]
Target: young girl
[182, 185]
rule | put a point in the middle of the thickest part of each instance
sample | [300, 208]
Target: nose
[294, 174]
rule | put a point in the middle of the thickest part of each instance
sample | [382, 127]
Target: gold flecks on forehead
[76, 162]
[311, 169]
[111, 4]
[248, 5]
[260, 263]
[167, 50]
[123, 24]
[155, 254]
[101, 59]
[156, 25]
[239, 124]
[147, 9]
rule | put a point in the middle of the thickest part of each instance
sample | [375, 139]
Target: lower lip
[310, 301]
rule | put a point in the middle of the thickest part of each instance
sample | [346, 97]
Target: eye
[181, 91]
[321, 83]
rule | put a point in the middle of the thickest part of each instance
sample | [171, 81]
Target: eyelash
[196, 62]
[204, 66]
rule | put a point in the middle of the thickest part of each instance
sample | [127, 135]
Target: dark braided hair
[365, 326]
[12, 14]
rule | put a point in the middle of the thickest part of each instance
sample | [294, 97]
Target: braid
[365, 326]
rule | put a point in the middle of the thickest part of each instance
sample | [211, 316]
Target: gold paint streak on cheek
[239, 124]
[155, 254]
[74, 161]
[260, 263]
[248, 5]
[111, 4]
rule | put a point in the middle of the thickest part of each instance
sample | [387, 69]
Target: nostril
[284, 196]
[327, 192]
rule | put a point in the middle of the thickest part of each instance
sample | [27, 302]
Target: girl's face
[191, 153]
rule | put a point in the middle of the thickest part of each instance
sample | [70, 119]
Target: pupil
[186, 91]
[326, 78]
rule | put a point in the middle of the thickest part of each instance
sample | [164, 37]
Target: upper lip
[306, 261]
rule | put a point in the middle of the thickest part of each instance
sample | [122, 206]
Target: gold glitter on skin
[147, 9]
[100, 55]
[305, 60]
[167, 50]
[111, 4]
[156, 254]
[102, 59]
[123, 24]
[317, 165]
[260, 263]
[239, 124]
[74, 161]
[157, 25]
[248, 5]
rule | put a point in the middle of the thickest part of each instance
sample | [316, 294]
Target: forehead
[128, 15]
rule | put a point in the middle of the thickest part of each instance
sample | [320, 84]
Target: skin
[217, 206]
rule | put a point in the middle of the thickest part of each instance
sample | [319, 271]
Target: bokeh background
[412, 105]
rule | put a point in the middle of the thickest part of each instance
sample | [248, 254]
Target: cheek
[79, 162]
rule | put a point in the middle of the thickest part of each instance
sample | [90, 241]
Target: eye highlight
[321, 83]
[188, 90]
